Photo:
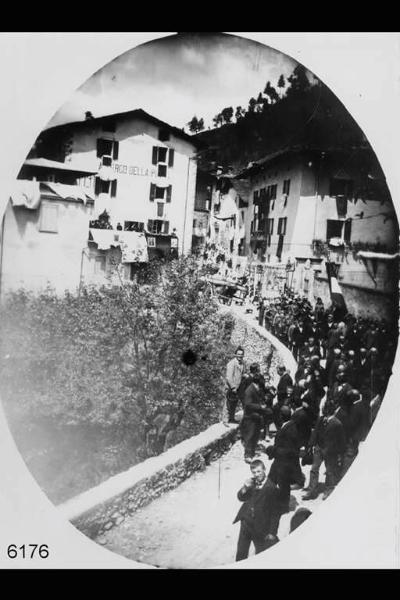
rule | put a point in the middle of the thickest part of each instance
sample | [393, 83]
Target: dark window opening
[133, 226]
[162, 170]
[280, 246]
[286, 187]
[160, 209]
[162, 155]
[160, 193]
[282, 226]
[163, 135]
[333, 229]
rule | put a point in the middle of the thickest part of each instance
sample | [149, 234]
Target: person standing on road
[255, 410]
[235, 370]
[259, 515]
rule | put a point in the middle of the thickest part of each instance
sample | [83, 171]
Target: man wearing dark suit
[259, 515]
[254, 411]
[329, 443]
[285, 468]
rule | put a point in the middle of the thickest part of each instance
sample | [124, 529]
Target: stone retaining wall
[107, 504]
[97, 510]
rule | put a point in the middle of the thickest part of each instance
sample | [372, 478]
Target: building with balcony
[307, 206]
[144, 173]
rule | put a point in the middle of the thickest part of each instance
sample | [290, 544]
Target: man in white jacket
[235, 370]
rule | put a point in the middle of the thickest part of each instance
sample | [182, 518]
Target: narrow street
[191, 526]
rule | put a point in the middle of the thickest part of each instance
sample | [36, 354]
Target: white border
[358, 527]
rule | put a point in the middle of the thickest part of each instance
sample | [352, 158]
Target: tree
[252, 105]
[281, 84]
[240, 113]
[227, 114]
[196, 125]
[104, 371]
[218, 120]
[271, 92]
[298, 80]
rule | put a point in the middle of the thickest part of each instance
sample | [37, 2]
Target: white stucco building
[146, 173]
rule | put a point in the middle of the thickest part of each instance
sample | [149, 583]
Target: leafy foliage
[107, 366]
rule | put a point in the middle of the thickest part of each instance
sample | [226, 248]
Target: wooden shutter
[152, 191]
[347, 231]
[113, 188]
[115, 150]
[99, 148]
[150, 225]
[155, 155]
[169, 193]
[166, 226]
[97, 186]
[171, 156]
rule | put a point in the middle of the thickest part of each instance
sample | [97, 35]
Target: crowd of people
[316, 416]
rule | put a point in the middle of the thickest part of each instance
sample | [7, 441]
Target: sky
[177, 77]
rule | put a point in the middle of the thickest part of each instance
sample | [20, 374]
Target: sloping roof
[256, 166]
[137, 113]
[46, 163]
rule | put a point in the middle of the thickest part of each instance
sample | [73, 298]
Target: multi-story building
[307, 206]
[145, 173]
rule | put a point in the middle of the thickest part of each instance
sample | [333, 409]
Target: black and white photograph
[199, 307]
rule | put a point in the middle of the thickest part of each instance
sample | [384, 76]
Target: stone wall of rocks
[107, 505]
[99, 509]
[260, 345]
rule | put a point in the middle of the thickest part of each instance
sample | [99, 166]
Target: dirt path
[191, 526]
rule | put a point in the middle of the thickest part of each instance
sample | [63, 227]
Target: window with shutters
[165, 156]
[101, 187]
[157, 226]
[286, 187]
[270, 226]
[48, 217]
[280, 246]
[108, 148]
[282, 226]
[160, 193]
[171, 157]
[336, 228]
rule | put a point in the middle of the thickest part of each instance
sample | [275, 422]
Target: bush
[93, 383]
